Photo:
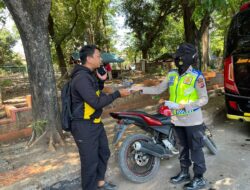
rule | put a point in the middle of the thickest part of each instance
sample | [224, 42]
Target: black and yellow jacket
[87, 98]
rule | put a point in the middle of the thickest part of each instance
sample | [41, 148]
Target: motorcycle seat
[163, 119]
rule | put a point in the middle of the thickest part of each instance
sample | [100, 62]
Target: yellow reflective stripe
[173, 86]
[97, 120]
[236, 117]
[247, 114]
[98, 92]
[88, 110]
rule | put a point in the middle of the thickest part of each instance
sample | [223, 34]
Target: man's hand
[161, 101]
[136, 88]
[124, 92]
[102, 77]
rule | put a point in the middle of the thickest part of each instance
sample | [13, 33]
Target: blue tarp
[111, 58]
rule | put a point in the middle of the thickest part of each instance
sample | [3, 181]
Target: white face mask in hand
[171, 105]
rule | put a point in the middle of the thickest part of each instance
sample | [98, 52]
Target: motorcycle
[139, 155]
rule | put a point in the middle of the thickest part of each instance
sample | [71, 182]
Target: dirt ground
[37, 168]
[228, 170]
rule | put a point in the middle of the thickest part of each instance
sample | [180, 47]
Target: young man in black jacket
[87, 128]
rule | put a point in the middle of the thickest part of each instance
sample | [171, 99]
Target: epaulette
[197, 72]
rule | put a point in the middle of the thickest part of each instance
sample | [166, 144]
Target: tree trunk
[90, 36]
[205, 49]
[31, 18]
[135, 58]
[59, 51]
[61, 61]
[1, 97]
[192, 34]
[144, 61]
[144, 54]
[189, 25]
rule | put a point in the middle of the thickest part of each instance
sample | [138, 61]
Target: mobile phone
[101, 70]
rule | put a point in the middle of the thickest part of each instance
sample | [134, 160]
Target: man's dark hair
[87, 50]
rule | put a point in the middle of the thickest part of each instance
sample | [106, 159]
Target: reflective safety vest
[182, 89]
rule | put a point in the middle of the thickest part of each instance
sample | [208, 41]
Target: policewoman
[187, 88]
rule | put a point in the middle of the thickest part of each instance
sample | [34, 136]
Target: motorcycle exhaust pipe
[152, 149]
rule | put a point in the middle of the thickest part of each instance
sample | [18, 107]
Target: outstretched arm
[153, 89]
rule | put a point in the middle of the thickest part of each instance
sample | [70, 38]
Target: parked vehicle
[139, 155]
[237, 66]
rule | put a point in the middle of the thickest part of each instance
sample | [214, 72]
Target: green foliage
[156, 97]
[231, 7]
[206, 6]
[147, 20]
[5, 83]
[160, 71]
[131, 51]
[64, 15]
[221, 19]
[2, 5]
[217, 34]
[2, 15]
[3, 72]
[39, 127]
[76, 22]
[169, 39]
[7, 42]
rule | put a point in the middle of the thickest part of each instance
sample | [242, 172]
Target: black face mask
[182, 64]
[184, 57]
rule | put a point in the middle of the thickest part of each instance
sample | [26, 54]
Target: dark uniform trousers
[191, 141]
[92, 143]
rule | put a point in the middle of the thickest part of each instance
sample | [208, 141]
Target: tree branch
[66, 34]
[51, 26]
[204, 23]
[160, 21]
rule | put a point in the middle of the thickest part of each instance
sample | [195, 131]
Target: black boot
[195, 184]
[181, 177]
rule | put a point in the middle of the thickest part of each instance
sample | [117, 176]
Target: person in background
[187, 90]
[75, 58]
[109, 70]
[87, 128]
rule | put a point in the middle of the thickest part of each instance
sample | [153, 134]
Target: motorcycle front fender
[119, 130]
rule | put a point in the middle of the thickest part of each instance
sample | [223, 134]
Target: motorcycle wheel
[137, 166]
[209, 143]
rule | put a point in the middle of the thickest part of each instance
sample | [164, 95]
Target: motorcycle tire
[209, 143]
[136, 166]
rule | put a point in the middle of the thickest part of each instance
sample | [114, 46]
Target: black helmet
[186, 49]
[185, 56]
